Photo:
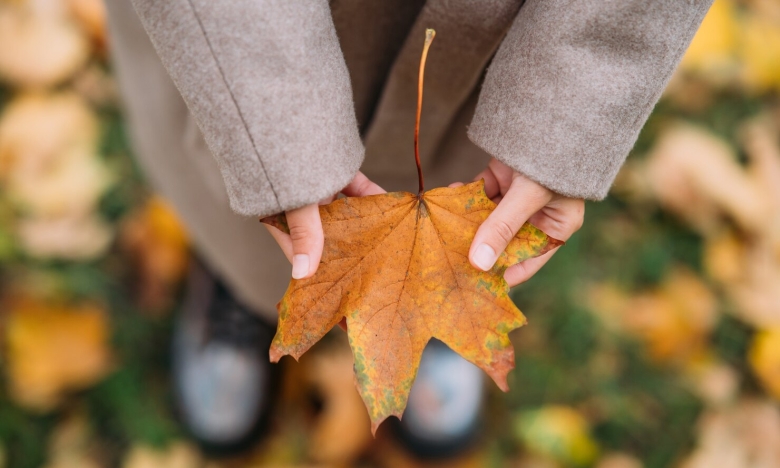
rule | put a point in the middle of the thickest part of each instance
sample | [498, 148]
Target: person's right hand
[303, 245]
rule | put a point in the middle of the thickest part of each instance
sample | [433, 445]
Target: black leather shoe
[443, 414]
[224, 382]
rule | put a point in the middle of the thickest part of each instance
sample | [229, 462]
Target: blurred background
[654, 336]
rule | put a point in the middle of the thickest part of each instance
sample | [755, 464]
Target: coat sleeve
[573, 83]
[267, 84]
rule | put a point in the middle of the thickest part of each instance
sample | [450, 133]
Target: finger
[523, 271]
[492, 188]
[362, 186]
[523, 199]
[307, 240]
[456, 185]
[561, 218]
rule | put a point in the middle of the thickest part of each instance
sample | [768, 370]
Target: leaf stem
[429, 35]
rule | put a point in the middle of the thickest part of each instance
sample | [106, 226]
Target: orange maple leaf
[396, 267]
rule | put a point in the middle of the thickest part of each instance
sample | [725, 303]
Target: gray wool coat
[292, 97]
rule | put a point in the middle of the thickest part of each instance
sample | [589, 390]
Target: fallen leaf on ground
[534, 461]
[712, 52]
[764, 358]
[39, 45]
[760, 43]
[37, 129]
[70, 238]
[761, 140]
[756, 294]
[342, 429]
[673, 321]
[157, 247]
[724, 257]
[49, 160]
[746, 435]
[91, 15]
[71, 186]
[396, 266]
[557, 432]
[769, 9]
[177, 455]
[52, 349]
[619, 460]
[389, 452]
[749, 272]
[692, 315]
[715, 382]
[695, 175]
[72, 444]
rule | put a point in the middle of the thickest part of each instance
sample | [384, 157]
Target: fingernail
[484, 257]
[300, 266]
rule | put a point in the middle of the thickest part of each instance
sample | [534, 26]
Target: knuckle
[363, 185]
[300, 234]
[567, 227]
[532, 194]
[539, 196]
[503, 230]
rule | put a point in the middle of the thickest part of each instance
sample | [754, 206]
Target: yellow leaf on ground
[558, 432]
[724, 258]
[53, 349]
[749, 271]
[759, 52]
[712, 53]
[764, 358]
[156, 244]
[673, 321]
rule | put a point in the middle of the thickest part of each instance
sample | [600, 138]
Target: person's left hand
[519, 200]
[304, 243]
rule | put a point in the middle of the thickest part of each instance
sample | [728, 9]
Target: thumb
[522, 200]
[307, 240]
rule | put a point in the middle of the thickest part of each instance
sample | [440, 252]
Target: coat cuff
[267, 84]
[572, 85]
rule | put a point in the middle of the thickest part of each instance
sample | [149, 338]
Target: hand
[519, 200]
[303, 246]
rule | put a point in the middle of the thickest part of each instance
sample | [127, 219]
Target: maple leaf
[396, 267]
